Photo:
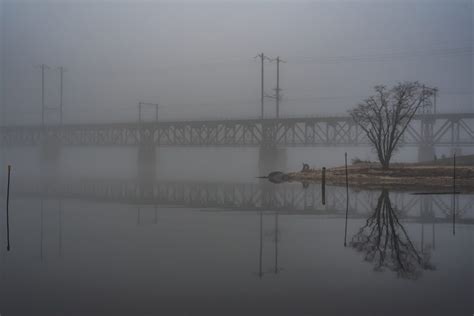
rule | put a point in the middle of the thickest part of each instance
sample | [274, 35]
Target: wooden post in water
[60, 228]
[8, 203]
[323, 186]
[454, 194]
[41, 230]
[260, 273]
[347, 200]
[276, 243]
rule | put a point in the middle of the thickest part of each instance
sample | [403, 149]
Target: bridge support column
[271, 159]
[426, 153]
[426, 150]
[146, 162]
[49, 155]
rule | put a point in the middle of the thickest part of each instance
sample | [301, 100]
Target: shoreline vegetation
[433, 176]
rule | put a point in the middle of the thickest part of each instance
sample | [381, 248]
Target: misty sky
[196, 58]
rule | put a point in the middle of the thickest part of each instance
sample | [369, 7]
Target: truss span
[453, 130]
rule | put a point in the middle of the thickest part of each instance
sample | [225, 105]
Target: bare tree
[386, 243]
[385, 116]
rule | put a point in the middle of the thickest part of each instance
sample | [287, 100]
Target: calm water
[106, 247]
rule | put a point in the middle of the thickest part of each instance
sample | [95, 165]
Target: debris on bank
[276, 177]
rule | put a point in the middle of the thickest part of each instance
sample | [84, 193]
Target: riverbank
[400, 176]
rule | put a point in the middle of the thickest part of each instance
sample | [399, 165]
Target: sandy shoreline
[407, 177]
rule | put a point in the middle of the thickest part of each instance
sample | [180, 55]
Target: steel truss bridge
[284, 198]
[443, 129]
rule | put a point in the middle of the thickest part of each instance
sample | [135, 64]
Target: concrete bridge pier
[146, 162]
[271, 158]
[426, 150]
[49, 155]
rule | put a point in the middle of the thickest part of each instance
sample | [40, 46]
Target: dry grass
[399, 176]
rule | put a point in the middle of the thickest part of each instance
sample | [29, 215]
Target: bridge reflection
[383, 240]
[291, 198]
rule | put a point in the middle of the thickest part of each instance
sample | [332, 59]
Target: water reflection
[384, 242]
[50, 206]
[243, 196]
[41, 229]
[156, 255]
[275, 236]
[147, 209]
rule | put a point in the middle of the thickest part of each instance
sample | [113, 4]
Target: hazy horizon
[196, 58]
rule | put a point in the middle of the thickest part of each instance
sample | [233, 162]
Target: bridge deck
[444, 129]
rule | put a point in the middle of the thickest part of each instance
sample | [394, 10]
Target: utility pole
[277, 90]
[262, 93]
[42, 94]
[43, 108]
[276, 244]
[61, 73]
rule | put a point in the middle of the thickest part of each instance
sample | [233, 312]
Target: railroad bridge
[271, 136]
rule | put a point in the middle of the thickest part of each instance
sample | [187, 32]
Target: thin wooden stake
[323, 186]
[260, 273]
[8, 211]
[454, 194]
[347, 200]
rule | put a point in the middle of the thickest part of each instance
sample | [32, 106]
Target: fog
[196, 59]
[196, 209]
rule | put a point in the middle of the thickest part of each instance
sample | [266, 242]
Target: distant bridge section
[454, 130]
[271, 136]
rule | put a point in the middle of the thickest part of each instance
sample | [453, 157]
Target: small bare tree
[385, 116]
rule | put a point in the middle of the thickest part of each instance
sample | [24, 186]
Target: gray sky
[196, 58]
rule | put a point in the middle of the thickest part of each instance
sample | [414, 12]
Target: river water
[126, 247]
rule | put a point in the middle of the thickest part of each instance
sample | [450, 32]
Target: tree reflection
[386, 244]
